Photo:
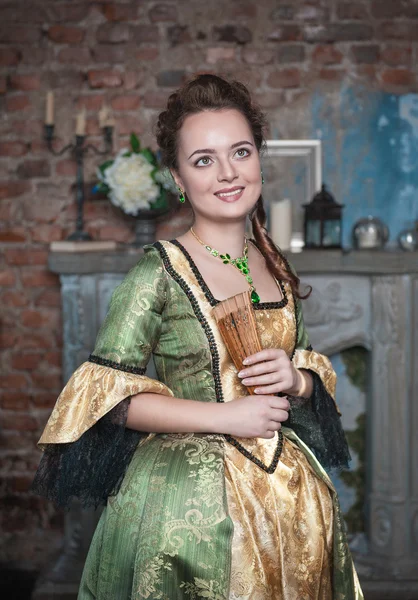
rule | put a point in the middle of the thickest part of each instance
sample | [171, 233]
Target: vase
[146, 225]
[370, 234]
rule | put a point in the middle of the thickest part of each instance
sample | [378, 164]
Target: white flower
[130, 182]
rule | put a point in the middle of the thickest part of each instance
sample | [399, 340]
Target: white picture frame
[299, 178]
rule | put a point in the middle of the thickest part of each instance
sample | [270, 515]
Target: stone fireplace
[367, 299]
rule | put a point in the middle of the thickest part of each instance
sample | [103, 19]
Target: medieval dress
[195, 515]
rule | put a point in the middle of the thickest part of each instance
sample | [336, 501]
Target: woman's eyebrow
[212, 151]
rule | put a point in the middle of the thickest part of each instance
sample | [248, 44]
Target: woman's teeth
[234, 193]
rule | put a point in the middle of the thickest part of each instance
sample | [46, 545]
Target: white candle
[49, 113]
[80, 127]
[281, 223]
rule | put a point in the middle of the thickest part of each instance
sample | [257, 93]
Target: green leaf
[105, 165]
[149, 155]
[135, 144]
[161, 201]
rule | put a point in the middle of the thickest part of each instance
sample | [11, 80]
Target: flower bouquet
[134, 181]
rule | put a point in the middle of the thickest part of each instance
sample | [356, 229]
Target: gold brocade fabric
[92, 391]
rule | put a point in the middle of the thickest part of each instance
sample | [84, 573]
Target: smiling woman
[194, 507]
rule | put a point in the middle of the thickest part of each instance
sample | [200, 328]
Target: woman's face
[218, 164]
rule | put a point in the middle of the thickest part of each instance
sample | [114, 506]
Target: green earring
[181, 195]
[262, 177]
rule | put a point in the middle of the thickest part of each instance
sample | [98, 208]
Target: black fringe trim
[104, 362]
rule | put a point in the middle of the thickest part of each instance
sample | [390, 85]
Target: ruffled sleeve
[87, 447]
[317, 420]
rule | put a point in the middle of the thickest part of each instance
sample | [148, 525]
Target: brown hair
[211, 92]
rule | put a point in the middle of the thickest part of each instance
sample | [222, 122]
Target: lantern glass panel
[313, 233]
[332, 233]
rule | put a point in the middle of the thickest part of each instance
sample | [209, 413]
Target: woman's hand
[272, 371]
[254, 416]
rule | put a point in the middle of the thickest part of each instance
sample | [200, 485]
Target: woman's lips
[230, 196]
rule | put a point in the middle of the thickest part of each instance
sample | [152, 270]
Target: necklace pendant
[254, 297]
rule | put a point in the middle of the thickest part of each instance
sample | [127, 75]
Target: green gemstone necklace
[241, 263]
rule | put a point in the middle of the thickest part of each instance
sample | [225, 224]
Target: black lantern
[323, 227]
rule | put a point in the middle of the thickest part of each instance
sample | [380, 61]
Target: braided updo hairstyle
[211, 92]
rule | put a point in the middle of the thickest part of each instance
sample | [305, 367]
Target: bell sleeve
[87, 447]
[317, 420]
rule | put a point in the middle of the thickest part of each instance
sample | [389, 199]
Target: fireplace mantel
[367, 298]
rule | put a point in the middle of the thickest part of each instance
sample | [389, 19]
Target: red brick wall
[130, 54]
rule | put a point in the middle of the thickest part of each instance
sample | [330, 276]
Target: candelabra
[79, 149]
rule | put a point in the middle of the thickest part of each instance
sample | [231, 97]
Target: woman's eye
[243, 152]
[203, 162]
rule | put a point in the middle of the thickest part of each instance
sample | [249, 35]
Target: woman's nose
[227, 171]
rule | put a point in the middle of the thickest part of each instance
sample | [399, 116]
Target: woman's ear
[177, 179]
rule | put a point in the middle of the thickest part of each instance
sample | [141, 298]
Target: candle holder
[79, 149]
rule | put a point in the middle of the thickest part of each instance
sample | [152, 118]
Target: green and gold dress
[191, 516]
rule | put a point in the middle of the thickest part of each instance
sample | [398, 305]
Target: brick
[155, 99]
[119, 233]
[258, 56]
[90, 102]
[104, 79]
[237, 10]
[352, 11]
[49, 297]
[284, 78]
[7, 278]
[125, 102]
[28, 128]
[398, 30]
[366, 72]
[326, 55]
[331, 74]
[12, 381]
[397, 55]
[13, 149]
[309, 12]
[286, 33]
[145, 33]
[237, 34]
[17, 234]
[14, 299]
[170, 78]
[215, 55]
[78, 56]
[397, 78]
[129, 123]
[25, 256]
[16, 103]
[25, 362]
[132, 80]
[14, 400]
[66, 167]
[25, 83]
[386, 9]
[367, 54]
[147, 54]
[53, 358]
[18, 422]
[291, 53]
[178, 34]
[47, 381]
[270, 99]
[113, 54]
[163, 13]
[44, 399]
[338, 32]
[9, 57]
[36, 56]
[34, 318]
[120, 12]
[113, 33]
[7, 338]
[65, 34]
[13, 189]
[3, 85]
[67, 13]
[10, 34]
[34, 168]
[65, 80]
[33, 277]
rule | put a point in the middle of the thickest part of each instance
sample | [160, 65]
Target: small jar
[370, 233]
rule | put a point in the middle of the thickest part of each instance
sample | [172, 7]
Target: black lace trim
[209, 296]
[91, 468]
[104, 362]
[216, 362]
